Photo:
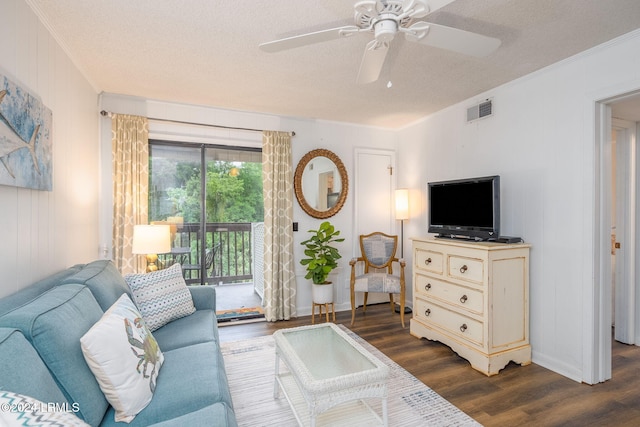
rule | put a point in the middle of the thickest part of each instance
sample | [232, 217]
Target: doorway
[211, 196]
[616, 284]
[623, 228]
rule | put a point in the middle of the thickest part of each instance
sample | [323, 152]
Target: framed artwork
[25, 138]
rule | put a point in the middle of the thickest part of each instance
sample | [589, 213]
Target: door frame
[597, 341]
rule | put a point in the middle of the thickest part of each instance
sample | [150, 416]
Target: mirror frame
[297, 183]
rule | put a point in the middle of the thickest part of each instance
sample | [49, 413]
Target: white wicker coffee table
[328, 375]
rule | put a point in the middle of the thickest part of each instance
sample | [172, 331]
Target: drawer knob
[463, 269]
[427, 261]
[463, 299]
[427, 286]
[427, 312]
[463, 327]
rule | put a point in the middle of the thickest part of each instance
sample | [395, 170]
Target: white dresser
[473, 297]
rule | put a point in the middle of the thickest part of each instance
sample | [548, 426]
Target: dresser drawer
[460, 296]
[429, 260]
[454, 323]
[464, 268]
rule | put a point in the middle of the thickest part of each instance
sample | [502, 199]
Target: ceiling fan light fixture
[385, 29]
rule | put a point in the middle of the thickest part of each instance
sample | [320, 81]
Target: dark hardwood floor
[517, 396]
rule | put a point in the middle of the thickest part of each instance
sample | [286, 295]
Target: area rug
[245, 313]
[250, 366]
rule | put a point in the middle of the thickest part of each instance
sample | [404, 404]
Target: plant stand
[322, 295]
[326, 309]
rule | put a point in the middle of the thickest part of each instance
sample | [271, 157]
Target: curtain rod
[109, 114]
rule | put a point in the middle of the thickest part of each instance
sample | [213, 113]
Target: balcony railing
[223, 255]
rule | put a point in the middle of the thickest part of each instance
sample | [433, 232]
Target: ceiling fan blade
[421, 8]
[372, 62]
[453, 39]
[437, 4]
[309, 38]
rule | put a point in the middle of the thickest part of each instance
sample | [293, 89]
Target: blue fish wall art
[25, 138]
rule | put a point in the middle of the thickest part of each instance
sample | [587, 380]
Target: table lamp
[151, 240]
[402, 213]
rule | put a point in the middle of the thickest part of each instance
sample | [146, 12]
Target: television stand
[473, 297]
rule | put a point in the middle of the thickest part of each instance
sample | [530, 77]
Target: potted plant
[321, 259]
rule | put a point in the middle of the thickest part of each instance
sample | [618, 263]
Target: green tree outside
[233, 195]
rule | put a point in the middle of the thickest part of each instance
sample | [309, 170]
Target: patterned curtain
[279, 276]
[130, 152]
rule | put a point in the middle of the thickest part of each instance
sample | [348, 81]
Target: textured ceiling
[206, 52]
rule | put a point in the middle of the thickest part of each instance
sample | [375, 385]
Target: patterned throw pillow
[124, 357]
[19, 410]
[161, 296]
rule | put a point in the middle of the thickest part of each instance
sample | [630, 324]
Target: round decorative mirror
[321, 183]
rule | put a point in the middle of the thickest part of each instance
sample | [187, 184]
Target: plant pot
[322, 294]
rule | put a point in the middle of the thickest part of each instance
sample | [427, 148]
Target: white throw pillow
[20, 410]
[124, 357]
[161, 296]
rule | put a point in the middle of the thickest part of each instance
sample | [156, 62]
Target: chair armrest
[204, 297]
[354, 260]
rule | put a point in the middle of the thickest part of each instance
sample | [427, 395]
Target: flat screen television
[465, 208]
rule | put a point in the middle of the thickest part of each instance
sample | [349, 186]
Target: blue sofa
[40, 354]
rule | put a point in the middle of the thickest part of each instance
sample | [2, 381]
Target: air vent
[480, 111]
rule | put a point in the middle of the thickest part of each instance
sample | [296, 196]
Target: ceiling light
[389, 84]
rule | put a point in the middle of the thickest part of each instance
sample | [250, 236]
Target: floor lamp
[402, 213]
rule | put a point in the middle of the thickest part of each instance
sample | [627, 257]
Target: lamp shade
[151, 239]
[402, 203]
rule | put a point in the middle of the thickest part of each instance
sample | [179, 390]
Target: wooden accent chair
[378, 254]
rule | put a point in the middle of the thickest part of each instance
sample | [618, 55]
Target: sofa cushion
[216, 415]
[28, 374]
[19, 410]
[161, 296]
[53, 323]
[192, 378]
[103, 279]
[25, 295]
[197, 328]
[124, 357]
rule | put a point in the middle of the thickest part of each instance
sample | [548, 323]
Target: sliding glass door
[175, 198]
[211, 196]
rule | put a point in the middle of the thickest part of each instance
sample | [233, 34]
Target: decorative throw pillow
[124, 357]
[161, 296]
[19, 410]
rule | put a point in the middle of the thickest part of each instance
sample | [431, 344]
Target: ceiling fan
[386, 18]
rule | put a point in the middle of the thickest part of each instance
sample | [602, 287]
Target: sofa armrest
[204, 297]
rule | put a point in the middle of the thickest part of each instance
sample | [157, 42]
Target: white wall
[43, 232]
[541, 142]
[340, 138]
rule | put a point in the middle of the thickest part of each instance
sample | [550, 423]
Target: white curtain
[279, 275]
[130, 151]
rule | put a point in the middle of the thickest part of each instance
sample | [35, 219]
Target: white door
[374, 184]
[375, 177]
